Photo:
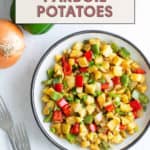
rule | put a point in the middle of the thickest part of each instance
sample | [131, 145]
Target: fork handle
[11, 141]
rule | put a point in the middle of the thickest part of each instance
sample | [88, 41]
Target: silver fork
[6, 122]
[20, 137]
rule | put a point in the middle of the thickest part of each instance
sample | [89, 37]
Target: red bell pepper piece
[66, 109]
[110, 108]
[57, 116]
[122, 127]
[88, 55]
[83, 69]
[136, 105]
[61, 103]
[75, 129]
[135, 113]
[67, 68]
[79, 81]
[58, 87]
[92, 127]
[116, 80]
[105, 86]
[139, 71]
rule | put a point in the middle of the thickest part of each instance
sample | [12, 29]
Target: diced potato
[92, 136]
[137, 77]
[107, 50]
[46, 111]
[90, 109]
[117, 71]
[58, 57]
[79, 119]
[101, 100]
[77, 107]
[70, 81]
[76, 53]
[82, 112]
[71, 61]
[134, 65]
[94, 147]
[117, 139]
[66, 128]
[83, 130]
[58, 69]
[85, 144]
[103, 137]
[71, 120]
[117, 60]
[92, 69]
[45, 98]
[142, 88]
[110, 115]
[125, 120]
[112, 124]
[89, 100]
[83, 62]
[110, 136]
[98, 117]
[98, 60]
[48, 91]
[50, 104]
[57, 127]
[124, 98]
[79, 89]
[130, 116]
[93, 41]
[77, 46]
[97, 75]
[105, 66]
[125, 107]
[131, 126]
[90, 88]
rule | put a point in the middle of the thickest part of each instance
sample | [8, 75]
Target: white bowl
[47, 60]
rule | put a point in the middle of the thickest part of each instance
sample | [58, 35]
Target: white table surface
[15, 81]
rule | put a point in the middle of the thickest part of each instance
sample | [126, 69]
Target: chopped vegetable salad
[93, 94]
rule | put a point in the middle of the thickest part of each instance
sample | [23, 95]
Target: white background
[15, 82]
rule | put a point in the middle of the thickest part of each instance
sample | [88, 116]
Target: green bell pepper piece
[32, 28]
[115, 47]
[143, 99]
[123, 52]
[88, 119]
[71, 138]
[96, 49]
[125, 80]
[55, 96]
[50, 72]
[104, 145]
[53, 130]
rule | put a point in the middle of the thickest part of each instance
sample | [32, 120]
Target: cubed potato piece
[46, 110]
[110, 136]
[58, 58]
[76, 53]
[85, 144]
[92, 69]
[107, 50]
[77, 107]
[137, 77]
[124, 98]
[90, 88]
[77, 46]
[79, 89]
[117, 71]
[57, 127]
[131, 126]
[50, 104]
[45, 98]
[71, 61]
[93, 41]
[97, 75]
[101, 100]
[105, 66]
[134, 65]
[112, 124]
[82, 112]
[90, 109]
[98, 60]
[70, 81]
[125, 107]
[71, 120]
[98, 118]
[83, 62]
[110, 115]
[92, 136]
[117, 60]
[48, 91]
[83, 130]
[79, 119]
[66, 128]
[89, 100]
[125, 120]
[142, 88]
[58, 69]
[117, 139]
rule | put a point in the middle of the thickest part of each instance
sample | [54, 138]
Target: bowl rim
[42, 59]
